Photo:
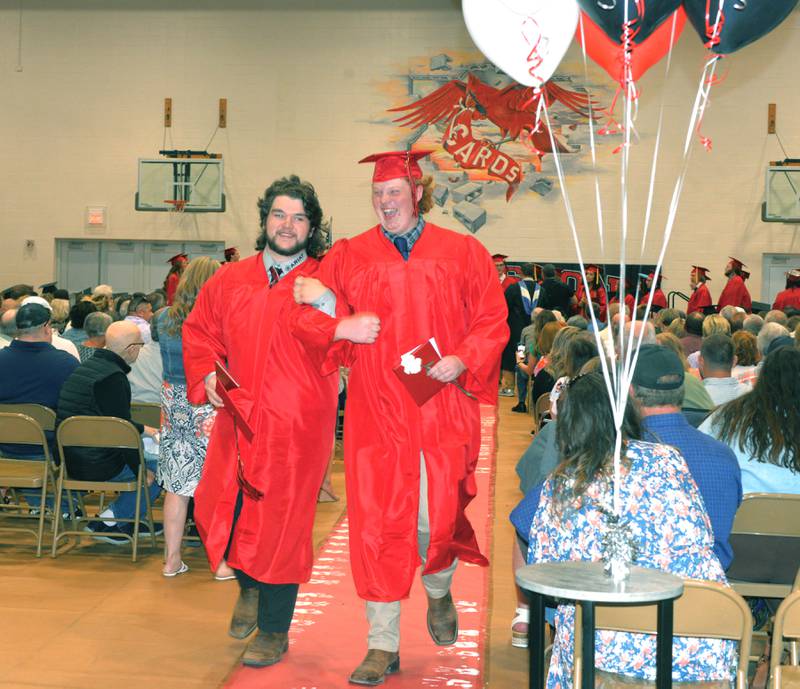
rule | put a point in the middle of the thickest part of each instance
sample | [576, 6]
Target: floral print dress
[668, 518]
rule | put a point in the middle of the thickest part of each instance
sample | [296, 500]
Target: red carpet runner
[329, 631]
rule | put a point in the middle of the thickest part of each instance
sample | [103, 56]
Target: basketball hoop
[177, 205]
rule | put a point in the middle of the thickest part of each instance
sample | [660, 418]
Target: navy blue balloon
[609, 15]
[745, 20]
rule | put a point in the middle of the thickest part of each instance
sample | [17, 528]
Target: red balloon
[609, 54]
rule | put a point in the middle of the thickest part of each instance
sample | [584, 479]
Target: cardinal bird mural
[512, 109]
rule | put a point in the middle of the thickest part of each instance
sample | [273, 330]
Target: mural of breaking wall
[488, 147]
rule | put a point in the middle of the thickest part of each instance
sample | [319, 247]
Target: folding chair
[102, 432]
[27, 429]
[787, 626]
[766, 545]
[706, 610]
[146, 413]
[541, 410]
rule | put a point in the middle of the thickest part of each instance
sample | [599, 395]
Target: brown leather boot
[442, 620]
[375, 666]
[266, 648]
[245, 614]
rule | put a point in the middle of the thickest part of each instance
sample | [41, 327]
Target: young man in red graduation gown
[255, 502]
[409, 469]
[790, 297]
[178, 264]
[735, 292]
[597, 293]
[701, 297]
[659, 299]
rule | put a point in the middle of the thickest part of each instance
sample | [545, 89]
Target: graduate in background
[735, 292]
[701, 297]
[790, 297]
[178, 264]
[659, 299]
[597, 293]
[409, 468]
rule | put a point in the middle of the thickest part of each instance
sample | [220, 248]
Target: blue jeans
[125, 505]
[522, 385]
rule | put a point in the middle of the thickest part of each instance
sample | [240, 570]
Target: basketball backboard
[782, 194]
[191, 185]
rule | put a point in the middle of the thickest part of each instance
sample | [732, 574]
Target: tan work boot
[245, 614]
[375, 666]
[266, 648]
[442, 620]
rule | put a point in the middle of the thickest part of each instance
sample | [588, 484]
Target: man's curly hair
[295, 188]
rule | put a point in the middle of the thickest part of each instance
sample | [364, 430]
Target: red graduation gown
[171, 286]
[240, 322]
[449, 290]
[659, 299]
[735, 294]
[597, 295]
[788, 299]
[700, 298]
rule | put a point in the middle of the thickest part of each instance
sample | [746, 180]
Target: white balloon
[527, 39]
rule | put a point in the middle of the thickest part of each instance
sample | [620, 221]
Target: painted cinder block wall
[305, 84]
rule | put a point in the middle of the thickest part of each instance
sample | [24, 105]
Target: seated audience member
[121, 307]
[531, 355]
[140, 312]
[728, 312]
[763, 426]
[99, 387]
[753, 324]
[541, 372]
[664, 318]
[57, 341]
[768, 333]
[694, 332]
[77, 317]
[670, 524]
[147, 371]
[103, 298]
[792, 324]
[8, 327]
[717, 359]
[578, 322]
[157, 299]
[778, 317]
[60, 308]
[13, 296]
[556, 368]
[696, 400]
[715, 323]
[737, 322]
[32, 371]
[745, 346]
[658, 389]
[95, 326]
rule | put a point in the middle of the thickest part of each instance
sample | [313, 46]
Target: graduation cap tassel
[247, 488]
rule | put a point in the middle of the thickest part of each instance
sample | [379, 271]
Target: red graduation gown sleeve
[735, 294]
[700, 299]
[172, 285]
[244, 324]
[788, 299]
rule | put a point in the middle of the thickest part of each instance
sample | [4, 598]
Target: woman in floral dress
[665, 512]
[184, 428]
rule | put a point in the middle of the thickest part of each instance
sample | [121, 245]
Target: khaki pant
[384, 618]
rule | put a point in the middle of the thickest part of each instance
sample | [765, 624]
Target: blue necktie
[402, 246]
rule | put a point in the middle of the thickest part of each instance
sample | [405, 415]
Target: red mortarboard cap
[230, 251]
[499, 257]
[661, 276]
[737, 263]
[701, 272]
[593, 266]
[177, 257]
[394, 164]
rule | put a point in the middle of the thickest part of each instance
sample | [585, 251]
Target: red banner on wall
[479, 154]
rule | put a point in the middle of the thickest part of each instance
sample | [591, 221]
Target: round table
[587, 583]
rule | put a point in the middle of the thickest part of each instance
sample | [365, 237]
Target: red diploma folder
[226, 383]
[413, 371]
